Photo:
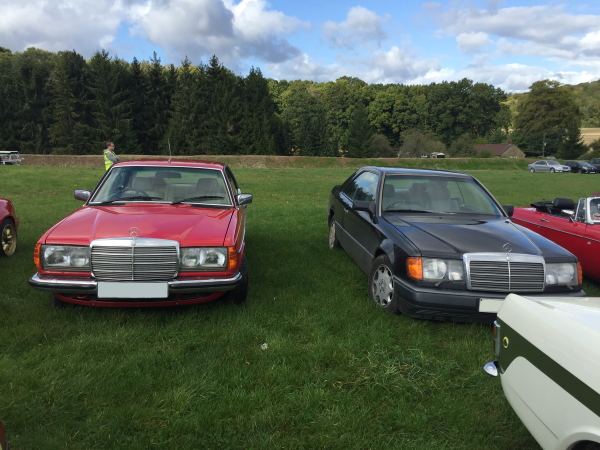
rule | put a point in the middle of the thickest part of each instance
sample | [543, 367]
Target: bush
[381, 148]
[416, 143]
[485, 153]
[463, 146]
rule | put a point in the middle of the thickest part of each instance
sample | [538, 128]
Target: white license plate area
[132, 290]
[490, 305]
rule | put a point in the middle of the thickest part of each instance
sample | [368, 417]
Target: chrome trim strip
[90, 286]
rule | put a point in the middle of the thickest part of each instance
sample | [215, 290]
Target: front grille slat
[497, 273]
[136, 263]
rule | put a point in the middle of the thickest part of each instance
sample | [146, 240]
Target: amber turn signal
[232, 258]
[415, 268]
[36, 256]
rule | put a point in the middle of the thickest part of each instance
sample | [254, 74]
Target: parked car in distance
[434, 243]
[596, 163]
[573, 227]
[10, 157]
[548, 360]
[152, 233]
[548, 165]
[581, 167]
[9, 224]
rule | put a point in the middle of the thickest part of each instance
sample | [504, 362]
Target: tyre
[381, 285]
[531, 169]
[551, 170]
[238, 295]
[333, 240]
[8, 237]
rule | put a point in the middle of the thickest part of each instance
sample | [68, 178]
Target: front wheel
[333, 240]
[381, 285]
[551, 170]
[239, 294]
[8, 237]
[532, 170]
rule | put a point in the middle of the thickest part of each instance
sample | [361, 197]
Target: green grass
[337, 373]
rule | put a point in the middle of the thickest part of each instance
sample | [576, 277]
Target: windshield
[163, 184]
[436, 194]
[553, 163]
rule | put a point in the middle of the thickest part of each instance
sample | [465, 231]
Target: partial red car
[575, 227]
[8, 227]
[3, 441]
[152, 233]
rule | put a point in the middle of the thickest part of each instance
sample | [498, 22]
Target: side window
[231, 181]
[580, 213]
[363, 188]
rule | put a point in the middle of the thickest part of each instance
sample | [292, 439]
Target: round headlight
[434, 269]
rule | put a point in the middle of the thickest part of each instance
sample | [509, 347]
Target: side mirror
[368, 206]
[80, 194]
[509, 210]
[244, 199]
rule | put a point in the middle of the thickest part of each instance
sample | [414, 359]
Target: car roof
[174, 163]
[403, 170]
[9, 152]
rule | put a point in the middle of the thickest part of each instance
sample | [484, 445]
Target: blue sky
[509, 44]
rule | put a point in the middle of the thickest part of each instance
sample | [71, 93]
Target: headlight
[431, 269]
[201, 258]
[65, 257]
[562, 274]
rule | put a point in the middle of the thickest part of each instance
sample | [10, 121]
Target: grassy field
[336, 372]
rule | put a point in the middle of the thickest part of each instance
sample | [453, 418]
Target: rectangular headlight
[203, 258]
[562, 274]
[432, 269]
[65, 257]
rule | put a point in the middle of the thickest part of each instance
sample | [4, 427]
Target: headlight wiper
[135, 197]
[198, 197]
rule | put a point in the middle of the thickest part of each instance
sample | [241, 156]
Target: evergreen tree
[70, 132]
[137, 83]
[359, 135]
[572, 147]
[183, 125]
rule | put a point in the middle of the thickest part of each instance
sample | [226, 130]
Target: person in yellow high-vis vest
[109, 155]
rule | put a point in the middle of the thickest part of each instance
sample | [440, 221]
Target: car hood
[191, 226]
[451, 236]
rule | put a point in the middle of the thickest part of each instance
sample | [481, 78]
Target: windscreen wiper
[135, 197]
[198, 197]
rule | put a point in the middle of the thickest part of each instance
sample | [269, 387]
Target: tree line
[61, 103]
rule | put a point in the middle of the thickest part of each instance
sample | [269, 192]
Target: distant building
[508, 150]
[437, 155]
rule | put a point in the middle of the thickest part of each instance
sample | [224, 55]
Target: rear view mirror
[244, 199]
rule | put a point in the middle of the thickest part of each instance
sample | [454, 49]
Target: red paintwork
[7, 210]
[191, 226]
[579, 238]
[140, 304]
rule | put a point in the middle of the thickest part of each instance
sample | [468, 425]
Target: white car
[548, 353]
[10, 158]
[548, 165]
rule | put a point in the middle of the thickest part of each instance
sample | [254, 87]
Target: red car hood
[191, 226]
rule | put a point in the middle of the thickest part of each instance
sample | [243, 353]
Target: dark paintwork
[400, 235]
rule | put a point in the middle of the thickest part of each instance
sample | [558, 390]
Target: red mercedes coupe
[152, 233]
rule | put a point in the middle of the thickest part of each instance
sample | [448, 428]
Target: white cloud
[472, 42]
[85, 25]
[361, 26]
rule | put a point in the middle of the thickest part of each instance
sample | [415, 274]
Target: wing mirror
[509, 210]
[80, 194]
[368, 206]
[244, 199]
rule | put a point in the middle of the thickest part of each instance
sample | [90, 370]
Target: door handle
[544, 220]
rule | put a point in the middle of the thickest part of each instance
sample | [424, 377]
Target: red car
[574, 227]
[152, 233]
[8, 227]
[3, 441]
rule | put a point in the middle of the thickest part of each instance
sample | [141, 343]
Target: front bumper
[89, 286]
[451, 305]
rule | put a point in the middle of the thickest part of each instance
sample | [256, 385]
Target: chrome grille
[500, 272]
[134, 263]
